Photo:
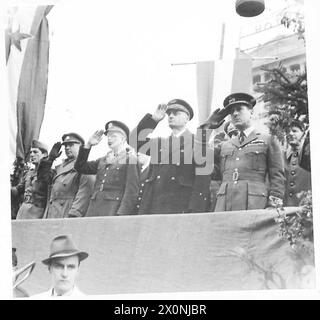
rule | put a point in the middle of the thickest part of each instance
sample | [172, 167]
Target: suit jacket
[48, 295]
[250, 171]
[116, 186]
[70, 191]
[174, 184]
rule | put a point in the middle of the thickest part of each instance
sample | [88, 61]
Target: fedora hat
[62, 247]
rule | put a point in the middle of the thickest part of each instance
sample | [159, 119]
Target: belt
[29, 199]
[236, 176]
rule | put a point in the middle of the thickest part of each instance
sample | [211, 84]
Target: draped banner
[27, 57]
[217, 79]
[169, 253]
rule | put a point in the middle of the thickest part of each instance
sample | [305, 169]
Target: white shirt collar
[179, 133]
[54, 294]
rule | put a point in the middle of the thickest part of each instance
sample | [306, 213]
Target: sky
[114, 61]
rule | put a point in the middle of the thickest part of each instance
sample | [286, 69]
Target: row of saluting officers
[165, 175]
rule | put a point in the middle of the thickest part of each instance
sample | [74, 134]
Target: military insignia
[110, 126]
[232, 100]
[67, 138]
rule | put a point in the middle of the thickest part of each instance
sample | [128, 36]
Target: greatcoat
[70, 191]
[117, 182]
[173, 184]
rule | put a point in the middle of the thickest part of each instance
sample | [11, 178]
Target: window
[256, 79]
[267, 76]
[295, 68]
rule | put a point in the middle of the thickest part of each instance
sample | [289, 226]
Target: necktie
[241, 136]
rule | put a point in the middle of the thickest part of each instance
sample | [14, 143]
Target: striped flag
[27, 58]
[217, 79]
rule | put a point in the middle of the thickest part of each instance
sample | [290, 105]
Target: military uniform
[297, 178]
[251, 171]
[70, 191]
[117, 182]
[172, 185]
[35, 196]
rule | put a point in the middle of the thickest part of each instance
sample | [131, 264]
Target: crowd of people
[236, 168]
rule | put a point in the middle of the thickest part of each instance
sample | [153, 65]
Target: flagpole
[222, 40]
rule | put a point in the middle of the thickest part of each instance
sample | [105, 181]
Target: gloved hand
[216, 119]
[275, 202]
[55, 151]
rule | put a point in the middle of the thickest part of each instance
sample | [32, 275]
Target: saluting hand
[160, 112]
[55, 151]
[95, 138]
[216, 119]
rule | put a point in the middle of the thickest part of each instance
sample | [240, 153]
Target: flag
[217, 79]
[27, 59]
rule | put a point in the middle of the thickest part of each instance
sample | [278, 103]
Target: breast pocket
[256, 157]
[225, 157]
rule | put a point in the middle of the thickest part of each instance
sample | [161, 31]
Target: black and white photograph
[159, 148]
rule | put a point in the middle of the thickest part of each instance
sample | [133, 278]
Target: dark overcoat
[117, 182]
[70, 192]
[173, 184]
[250, 172]
[297, 178]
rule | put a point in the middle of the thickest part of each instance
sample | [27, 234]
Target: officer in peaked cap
[117, 174]
[69, 191]
[245, 161]
[180, 105]
[72, 137]
[298, 179]
[172, 184]
[237, 99]
[117, 126]
[34, 192]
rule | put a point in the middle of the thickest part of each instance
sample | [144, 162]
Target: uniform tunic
[117, 182]
[250, 171]
[35, 196]
[172, 185]
[297, 179]
[70, 191]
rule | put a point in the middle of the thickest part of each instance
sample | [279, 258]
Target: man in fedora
[69, 191]
[34, 191]
[173, 184]
[250, 164]
[64, 266]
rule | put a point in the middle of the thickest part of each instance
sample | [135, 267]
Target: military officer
[70, 191]
[298, 179]
[172, 184]
[246, 161]
[117, 174]
[34, 191]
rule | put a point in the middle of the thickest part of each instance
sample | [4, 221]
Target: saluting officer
[117, 174]
[246, 161]
[34, 191]
[298, 179]
[173, 184]
[70, 191]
